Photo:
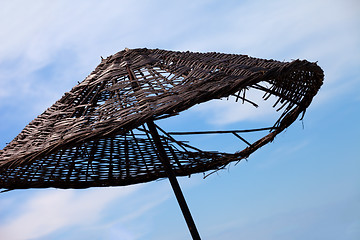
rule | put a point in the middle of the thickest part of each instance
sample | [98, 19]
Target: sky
[304, 185]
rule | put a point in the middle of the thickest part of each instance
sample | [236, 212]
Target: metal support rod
[173, 181]
[225, 131]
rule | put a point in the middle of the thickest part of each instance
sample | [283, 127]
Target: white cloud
[39, 30]
[47, 212]
[117, 230]
[105, 212]
[286, 150]
[225, 111]
[324, 31]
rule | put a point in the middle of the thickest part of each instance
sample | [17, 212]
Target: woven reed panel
[95, 134]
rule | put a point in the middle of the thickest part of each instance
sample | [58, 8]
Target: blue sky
[304, 185]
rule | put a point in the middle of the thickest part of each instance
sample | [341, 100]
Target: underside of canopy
[96, 134]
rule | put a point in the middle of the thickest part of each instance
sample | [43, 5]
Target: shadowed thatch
[95, 135]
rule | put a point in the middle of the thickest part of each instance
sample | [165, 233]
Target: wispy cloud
[41, 34]
[321, 31]
[102, 212]
[51, 210]
[227, 111]
[40, 31]
[286, 150]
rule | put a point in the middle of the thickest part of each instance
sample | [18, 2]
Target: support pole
[173, 181]
[166, 163]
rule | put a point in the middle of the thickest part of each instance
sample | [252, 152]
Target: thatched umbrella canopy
[102, 132]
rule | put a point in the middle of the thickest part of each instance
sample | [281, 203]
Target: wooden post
[167, 166]
[173, 181]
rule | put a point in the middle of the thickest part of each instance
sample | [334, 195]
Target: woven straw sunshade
[96, 134]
